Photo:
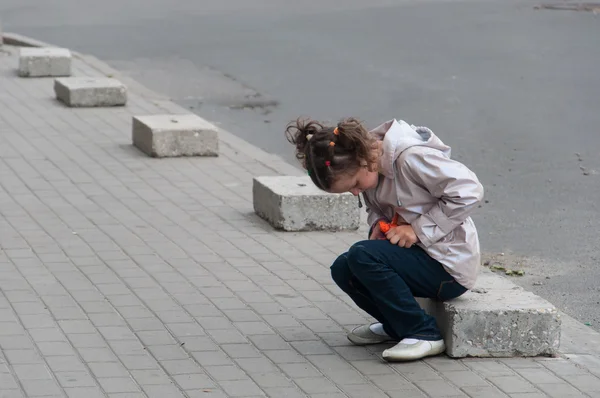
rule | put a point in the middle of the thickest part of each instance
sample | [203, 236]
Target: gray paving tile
[108, 369]
[32, 372]
[512, 384]
[118, 384]
[241, 388]
[194, 381]
[84, 392]
[484, 391]
[40, 388]
[226, 372]
[65, 364]
[75, 379]
[317, 385]
[161, 391]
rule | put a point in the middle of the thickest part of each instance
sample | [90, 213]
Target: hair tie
[336, 131]
[327, 163]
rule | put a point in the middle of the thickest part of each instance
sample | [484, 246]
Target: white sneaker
[363, 335]
[416, 350]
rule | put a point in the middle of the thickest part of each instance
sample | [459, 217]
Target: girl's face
[356, 183]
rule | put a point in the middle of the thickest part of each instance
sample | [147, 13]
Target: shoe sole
[357, 340]
[415, 358]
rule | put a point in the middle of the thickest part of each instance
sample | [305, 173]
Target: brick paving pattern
[126, 276]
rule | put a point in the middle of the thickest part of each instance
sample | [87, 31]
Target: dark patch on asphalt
[590, 7]
[256, 102]
[197, 86]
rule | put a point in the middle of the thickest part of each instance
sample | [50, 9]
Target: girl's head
[342, 158]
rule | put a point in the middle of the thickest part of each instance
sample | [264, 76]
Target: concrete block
[175, 135]
[44, 62]
[293, 203]
[90, 91]
[497, 319]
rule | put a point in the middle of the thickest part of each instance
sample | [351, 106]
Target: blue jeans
[383, 279]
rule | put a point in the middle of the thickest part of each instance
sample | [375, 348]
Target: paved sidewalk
[125, 276]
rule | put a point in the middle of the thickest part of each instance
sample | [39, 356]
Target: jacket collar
[397, 136]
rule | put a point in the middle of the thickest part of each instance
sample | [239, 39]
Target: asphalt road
[515, 90]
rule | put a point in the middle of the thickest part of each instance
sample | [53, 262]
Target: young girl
[405, 174]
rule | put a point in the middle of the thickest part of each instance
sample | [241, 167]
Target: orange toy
[385, 227]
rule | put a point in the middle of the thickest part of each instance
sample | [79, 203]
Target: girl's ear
[373, 163]
[370, 166]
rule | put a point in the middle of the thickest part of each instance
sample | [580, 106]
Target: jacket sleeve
[373, 215]
[457, 188]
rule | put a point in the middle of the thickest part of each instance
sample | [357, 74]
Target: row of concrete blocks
[156, 135]
[288, 203]
[496, 319]
[75, 92]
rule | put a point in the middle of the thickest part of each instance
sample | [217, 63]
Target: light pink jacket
[432, 193]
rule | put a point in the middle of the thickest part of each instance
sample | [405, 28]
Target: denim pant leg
[340, 272]
[394, 276]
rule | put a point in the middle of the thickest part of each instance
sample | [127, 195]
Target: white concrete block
[497, 319]
[44, 62]
[90, 91]
[175, 135]
[293, 203]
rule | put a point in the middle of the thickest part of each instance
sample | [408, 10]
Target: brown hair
[329, 152]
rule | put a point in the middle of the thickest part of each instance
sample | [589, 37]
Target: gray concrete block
[175, 135]
[90, 91]
[497, 319]
[44, 62]
[293, 203]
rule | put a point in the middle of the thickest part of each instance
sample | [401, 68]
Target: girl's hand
[402, 235]
[376, 234]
